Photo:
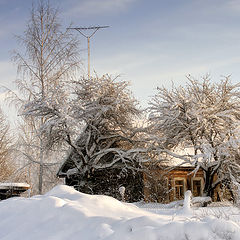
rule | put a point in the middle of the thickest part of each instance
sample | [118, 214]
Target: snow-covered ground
[64, 213]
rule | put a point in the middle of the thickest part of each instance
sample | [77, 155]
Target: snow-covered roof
[175, 161]
[12, 185]
[173, 158]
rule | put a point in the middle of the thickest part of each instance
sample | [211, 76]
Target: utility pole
[88, 36]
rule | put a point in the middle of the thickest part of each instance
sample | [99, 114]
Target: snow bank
[64, 213]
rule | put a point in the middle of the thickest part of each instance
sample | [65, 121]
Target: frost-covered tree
[47, 58]
[106, 145]
[7, 166]
[28, 155]
[202, 117]
[105, 152]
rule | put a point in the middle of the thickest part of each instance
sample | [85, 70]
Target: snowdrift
[64, 213]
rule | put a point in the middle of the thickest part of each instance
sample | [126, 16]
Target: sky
[149, 43]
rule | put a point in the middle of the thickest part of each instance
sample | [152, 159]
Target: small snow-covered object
[201, 201]
[187, 201]
[122, 192]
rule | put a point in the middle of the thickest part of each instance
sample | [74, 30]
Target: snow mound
[63, 213]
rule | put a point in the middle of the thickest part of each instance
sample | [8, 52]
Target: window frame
[184, 186]
[201, 181]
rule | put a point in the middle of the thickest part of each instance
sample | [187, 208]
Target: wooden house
[103, 181]
[170, 185]
[156, 184]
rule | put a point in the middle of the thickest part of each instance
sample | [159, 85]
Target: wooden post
[88, 40]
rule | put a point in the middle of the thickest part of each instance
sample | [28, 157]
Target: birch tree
[202, 117]
[47, 58]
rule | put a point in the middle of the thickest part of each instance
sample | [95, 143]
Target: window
[179, 189]
[197, 187]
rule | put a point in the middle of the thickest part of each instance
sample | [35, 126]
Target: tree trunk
[208, 190]
[40, 177]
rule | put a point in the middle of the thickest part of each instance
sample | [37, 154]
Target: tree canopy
[203, 117]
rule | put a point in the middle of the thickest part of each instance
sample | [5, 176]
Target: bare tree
[202, 117]
[7, 166]
[28, 155]
[45, 64]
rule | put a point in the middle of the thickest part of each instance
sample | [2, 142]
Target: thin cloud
[223, 6]
[96, 7]
[3, 2]
[233, 5]
[7, 73]
[2, 33]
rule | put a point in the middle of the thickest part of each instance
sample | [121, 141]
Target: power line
[88, 36]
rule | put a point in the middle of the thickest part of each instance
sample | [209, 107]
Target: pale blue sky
[149, 43]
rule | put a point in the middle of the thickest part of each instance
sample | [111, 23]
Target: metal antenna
[80, 30]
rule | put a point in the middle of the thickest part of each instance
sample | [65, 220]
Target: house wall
[159, 186]
[187, 177]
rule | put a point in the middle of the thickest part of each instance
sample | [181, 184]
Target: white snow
[64, 213]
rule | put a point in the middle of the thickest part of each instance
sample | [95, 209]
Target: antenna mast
[88, 36]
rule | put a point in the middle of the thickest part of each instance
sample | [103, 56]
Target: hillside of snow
[64, 213]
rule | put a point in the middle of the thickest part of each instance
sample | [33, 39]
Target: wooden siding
[159, 186]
